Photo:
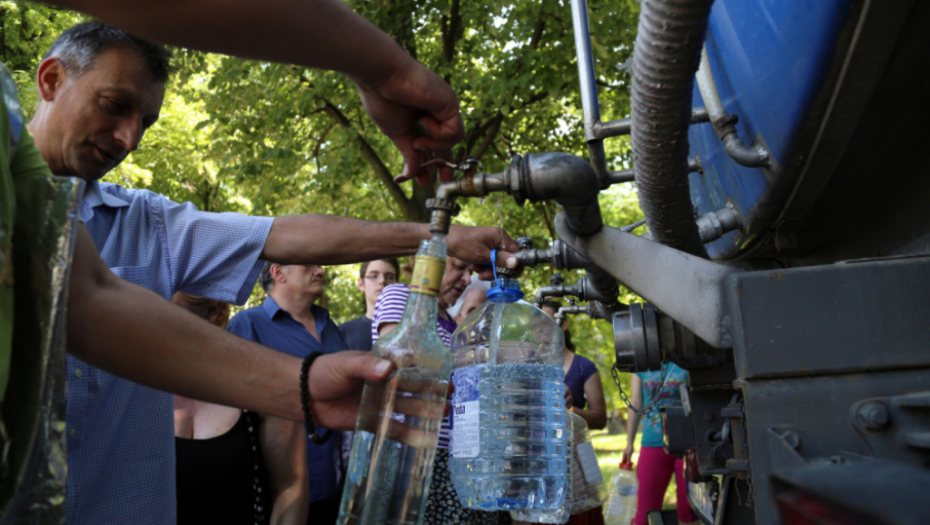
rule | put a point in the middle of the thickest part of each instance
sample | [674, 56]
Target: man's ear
[361, 284]
[278, 273]
[51, 78]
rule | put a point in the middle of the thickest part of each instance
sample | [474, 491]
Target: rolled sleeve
[214, 255]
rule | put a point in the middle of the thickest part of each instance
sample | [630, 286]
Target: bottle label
[587, 458]
[627, 490]
[427, 275]
[466, 437]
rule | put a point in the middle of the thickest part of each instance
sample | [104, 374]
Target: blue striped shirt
[390, 309]
[121, 434]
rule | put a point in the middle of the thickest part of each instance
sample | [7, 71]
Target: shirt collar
[320, 314]
[94, 196]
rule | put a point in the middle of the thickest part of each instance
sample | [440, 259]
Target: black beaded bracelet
[305, 400]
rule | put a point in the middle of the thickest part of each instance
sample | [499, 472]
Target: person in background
[443, 506]
[472, 299]
[372, 278]
[397, 92]
[100, 89]
[655, 467]
[235, 466]
[290, 322]
[586, 393]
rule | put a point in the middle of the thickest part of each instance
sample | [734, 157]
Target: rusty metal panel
[846, 317]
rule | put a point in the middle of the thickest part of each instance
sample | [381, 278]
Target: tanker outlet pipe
[559, 255]
[665, 59]
[594, 310]
[564, 178]
[755, 156]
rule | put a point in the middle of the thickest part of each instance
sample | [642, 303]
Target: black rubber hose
[665, 59]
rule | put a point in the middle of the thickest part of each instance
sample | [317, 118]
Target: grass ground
[609, 451]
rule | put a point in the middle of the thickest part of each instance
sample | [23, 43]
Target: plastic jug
[508, 412]
[621, 507]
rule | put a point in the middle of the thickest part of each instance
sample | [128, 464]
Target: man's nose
[129, 134]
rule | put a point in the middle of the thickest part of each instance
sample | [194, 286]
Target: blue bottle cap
[505, 291]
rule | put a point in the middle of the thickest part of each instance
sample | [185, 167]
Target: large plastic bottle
[563, 513]
[621, 507]
[588, 487]
[398, 421]
[508, 408]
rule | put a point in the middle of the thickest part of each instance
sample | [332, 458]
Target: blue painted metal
[769, 59]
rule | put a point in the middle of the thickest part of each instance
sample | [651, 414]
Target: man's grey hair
[79, 46]
[264, 277]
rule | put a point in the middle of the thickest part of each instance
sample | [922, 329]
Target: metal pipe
[689, 289]
[559, 290]
[714, 225]
[665, 58]
[586, 289]
[590, 108]
[562, 177]
[589, 309]
[589, 104]
[755, 156]
[617, 177]
[616, 128]
[559, 255]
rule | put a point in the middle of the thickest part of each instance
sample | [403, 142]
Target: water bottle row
[511, 437]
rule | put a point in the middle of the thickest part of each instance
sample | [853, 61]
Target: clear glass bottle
[398, 424]
[508, 408]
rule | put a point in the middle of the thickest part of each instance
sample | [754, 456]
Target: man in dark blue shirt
[290, 322]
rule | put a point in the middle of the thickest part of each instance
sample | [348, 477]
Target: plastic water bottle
[508, 408]
[563, 513]
[588, 487]
[399, 419]
[621, 508]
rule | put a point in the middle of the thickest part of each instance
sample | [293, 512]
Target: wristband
[305, 400]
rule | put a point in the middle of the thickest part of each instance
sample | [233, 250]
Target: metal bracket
[687, 288]
[887, 423]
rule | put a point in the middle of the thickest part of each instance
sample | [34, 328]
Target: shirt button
[72, 432]
[78, 372]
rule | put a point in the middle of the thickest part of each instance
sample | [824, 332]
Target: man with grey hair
[289, 321]
[120, 436]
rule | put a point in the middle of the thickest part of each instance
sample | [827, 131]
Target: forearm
[313, 33]
[181, 353]
[632, 423]
[290, 505]
[132, 332]
[284, 447]
[596, 419]
[328, 239]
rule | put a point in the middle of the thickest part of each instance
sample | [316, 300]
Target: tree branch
[452, 31]
[373, 159]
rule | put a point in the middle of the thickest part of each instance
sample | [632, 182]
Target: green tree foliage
[272, 139]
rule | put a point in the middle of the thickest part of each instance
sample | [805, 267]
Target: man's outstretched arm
[136, 334]
[397, 91]
[327, 239]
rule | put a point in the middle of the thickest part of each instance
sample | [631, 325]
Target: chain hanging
[615, 374]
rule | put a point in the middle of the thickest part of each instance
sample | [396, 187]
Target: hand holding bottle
[628, 452]
[474, 244]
